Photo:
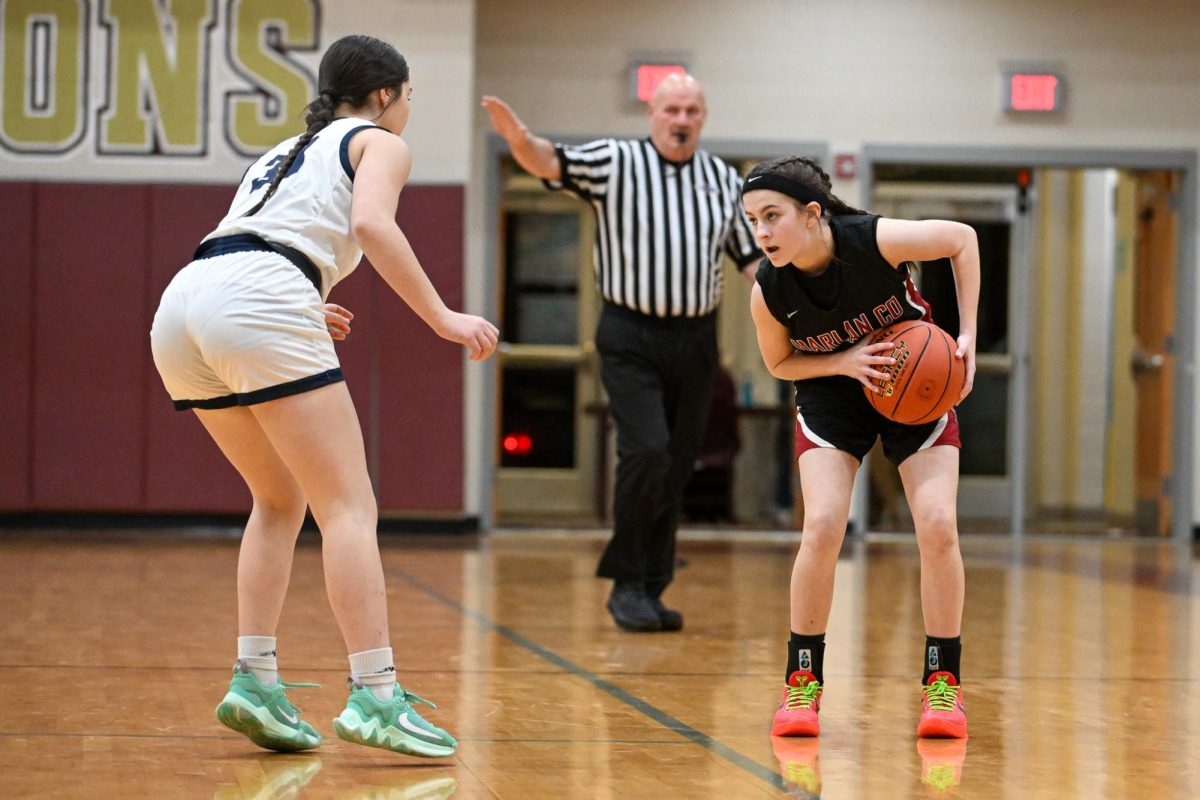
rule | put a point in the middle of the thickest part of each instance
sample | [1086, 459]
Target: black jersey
[860, 292]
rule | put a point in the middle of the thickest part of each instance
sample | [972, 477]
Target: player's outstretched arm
[534, 153]
[381, 173]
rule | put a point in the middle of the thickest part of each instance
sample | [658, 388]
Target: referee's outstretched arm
[534, 153]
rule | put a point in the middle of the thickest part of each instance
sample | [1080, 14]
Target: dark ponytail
[352, 68]
[806, 171]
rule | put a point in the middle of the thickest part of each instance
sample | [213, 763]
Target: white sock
[376, 670]
[259, 654]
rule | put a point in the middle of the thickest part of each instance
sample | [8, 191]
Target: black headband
[793, 189]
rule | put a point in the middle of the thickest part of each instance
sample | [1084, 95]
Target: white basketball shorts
[240, 329]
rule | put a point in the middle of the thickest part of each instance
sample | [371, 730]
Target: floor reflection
[413, 788]
[274, 777]
[942, 763]
[799, 760]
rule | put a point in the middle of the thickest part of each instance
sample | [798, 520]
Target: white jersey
[310, 210]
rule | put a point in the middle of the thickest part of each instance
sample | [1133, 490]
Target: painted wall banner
[128, 84]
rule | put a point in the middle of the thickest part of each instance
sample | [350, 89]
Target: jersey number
[273, 167]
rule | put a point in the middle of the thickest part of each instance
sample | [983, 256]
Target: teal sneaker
[264, 714]
[391, 724]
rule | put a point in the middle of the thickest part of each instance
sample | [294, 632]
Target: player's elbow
[370, 230]
[966, 239]
[775, 368]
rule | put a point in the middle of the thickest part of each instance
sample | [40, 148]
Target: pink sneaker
[797, 713]
[942, 715]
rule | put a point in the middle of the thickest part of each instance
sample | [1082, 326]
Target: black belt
[663, 322]
[244, 242]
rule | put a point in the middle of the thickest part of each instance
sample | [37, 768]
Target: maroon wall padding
[92, 428]
[16, 309]
[185, 472]
[420, 381]
[89, 346]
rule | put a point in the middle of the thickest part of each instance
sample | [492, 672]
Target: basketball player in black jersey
[832, 275]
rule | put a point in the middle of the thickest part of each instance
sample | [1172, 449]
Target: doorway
[1095, 412]
[546, 443]
[1000, 223]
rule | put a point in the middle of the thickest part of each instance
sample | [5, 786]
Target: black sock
[806, 653]
[942, 655]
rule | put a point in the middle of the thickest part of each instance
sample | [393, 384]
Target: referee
[667, 213]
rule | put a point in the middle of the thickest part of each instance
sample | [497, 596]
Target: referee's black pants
[659, 377]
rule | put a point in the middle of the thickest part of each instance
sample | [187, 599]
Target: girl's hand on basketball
[863, 362]
[966, 351]
[474, 333]
[337, 321]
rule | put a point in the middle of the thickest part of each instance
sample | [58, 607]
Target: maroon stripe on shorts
[949, 434]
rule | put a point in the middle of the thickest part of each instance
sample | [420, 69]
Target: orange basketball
[926, 379]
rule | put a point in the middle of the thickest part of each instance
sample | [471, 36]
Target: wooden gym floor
[1081, 668]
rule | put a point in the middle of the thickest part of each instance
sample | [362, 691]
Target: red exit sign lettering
[646, 77]
[1033, 91]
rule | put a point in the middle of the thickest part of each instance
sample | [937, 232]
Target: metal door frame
[1184, 162]
[576, 357]
[1004, 203]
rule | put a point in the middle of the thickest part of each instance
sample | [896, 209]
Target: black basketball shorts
[842, 418]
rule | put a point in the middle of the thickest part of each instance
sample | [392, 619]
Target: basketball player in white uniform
[243, 339]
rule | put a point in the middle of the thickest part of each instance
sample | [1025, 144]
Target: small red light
[650, 75]
[1033, 92]
[517, 444]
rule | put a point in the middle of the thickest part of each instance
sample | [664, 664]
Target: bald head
[677, 113]
[677, 82]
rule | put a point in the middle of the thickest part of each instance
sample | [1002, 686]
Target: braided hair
[808, 172]
[352, 68]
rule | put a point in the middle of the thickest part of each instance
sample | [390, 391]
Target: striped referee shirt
[662, 227]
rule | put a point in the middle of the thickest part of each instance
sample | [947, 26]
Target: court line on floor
[231, 738]
[109, 735]
[723, 751]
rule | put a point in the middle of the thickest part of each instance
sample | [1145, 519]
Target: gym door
[992, 441]
[546, 444]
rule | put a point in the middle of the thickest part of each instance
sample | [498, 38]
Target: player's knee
[823, 532]
[283, 509]
[937, 528]
[342, 519]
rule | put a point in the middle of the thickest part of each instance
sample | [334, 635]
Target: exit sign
[644, 78]
[1037, 91]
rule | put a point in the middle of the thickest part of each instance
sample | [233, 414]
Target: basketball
[926, 379]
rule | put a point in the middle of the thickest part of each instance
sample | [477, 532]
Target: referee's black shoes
[669, 618]
[632, 609]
